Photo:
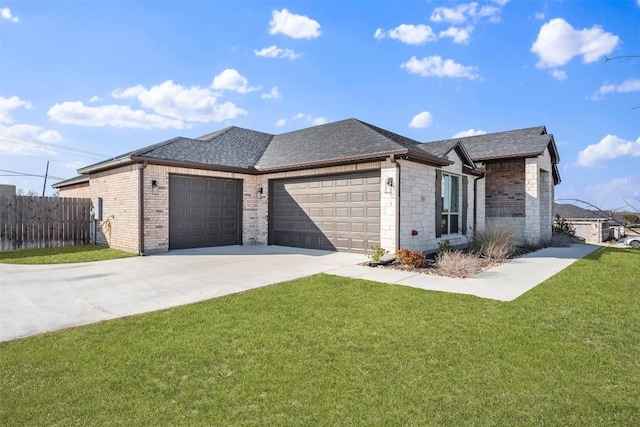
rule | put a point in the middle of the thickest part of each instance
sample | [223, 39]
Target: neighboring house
[592, 226]
[346, 186]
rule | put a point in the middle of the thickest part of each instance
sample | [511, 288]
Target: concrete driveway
[40, 298]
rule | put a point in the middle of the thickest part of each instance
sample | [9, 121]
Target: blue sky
[82, 81]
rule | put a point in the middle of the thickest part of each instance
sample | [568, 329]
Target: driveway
[40, 298]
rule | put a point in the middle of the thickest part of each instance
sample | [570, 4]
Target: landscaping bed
[467, 262]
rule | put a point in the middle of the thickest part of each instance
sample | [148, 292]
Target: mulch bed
[478, 265]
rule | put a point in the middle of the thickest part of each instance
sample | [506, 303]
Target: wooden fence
[41, 222]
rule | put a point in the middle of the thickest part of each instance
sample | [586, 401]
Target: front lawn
[61, 255]
[327, 350]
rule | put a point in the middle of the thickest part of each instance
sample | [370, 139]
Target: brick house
[593, 227]
[346, 185]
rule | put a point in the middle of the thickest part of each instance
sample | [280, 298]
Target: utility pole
[46, 173]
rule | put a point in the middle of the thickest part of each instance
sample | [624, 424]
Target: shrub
[414, 259]
[444, 246]
[459, 264]
[562, 226]
[377, 254]
[494, 242]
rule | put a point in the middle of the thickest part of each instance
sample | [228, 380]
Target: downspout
[141, 168]
[393, 161]
[475, 202]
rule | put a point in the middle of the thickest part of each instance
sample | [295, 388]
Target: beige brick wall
[255, 221]
[81, 190]
[119, 191]
[156, 204]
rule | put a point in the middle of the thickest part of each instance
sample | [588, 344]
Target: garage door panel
[340, 212]
[204, 211]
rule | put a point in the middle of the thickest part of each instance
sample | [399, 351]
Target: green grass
[61, 255]
[327, 350]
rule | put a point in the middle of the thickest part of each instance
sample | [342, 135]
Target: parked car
[633, 241]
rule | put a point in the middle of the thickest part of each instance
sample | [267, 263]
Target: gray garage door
[204, 212]
[338, 212]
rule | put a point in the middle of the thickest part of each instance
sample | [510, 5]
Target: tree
[623, 58]
[21, 192]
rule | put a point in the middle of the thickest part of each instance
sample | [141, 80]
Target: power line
[57, 150]
[34, 141]
[14, 139]
[31, 174]
[42, 158]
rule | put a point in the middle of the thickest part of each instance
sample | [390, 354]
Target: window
[449, 221]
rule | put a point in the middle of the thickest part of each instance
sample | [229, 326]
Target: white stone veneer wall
[388, 211]
[417, 206]
[539, 199]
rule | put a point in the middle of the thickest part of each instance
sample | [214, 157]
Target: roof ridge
[385, 133]
[143, 150]
[215, 134]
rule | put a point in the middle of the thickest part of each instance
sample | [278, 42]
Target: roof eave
[426, 158]
[193, 165]
[332, 162]
[473, 171]
[107, 164]
[509, 156]
[71, 181]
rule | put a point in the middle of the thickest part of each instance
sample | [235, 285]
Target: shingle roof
[233, 146]
[514, 143]
[568, 211]
[71, 181]
[440, 148]
[332, 141]
[236, 148]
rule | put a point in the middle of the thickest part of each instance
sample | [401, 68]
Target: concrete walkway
[505, 282]
[38, 298]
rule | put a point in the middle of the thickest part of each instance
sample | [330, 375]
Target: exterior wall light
[154, 186]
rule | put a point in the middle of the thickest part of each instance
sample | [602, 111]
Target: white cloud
[559, 74]
[612, 194]
[274, 94]
[435, 66]
[407, 33]
[22, 139]
[459, 35]
[467, 11]
[540, 15]
[292, 25]
[558, 42]
[9, 104]
[610, 147]
[314, 121]
[276, 52]
[631, 85]
[421, 120]
[469, 132]
[95, 99]
[501, 2]
[119, 116]
[231, 79]
[280, 123]
[191, 104]
[5, 12]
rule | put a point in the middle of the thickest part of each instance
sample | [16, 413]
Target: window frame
[446, 212]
